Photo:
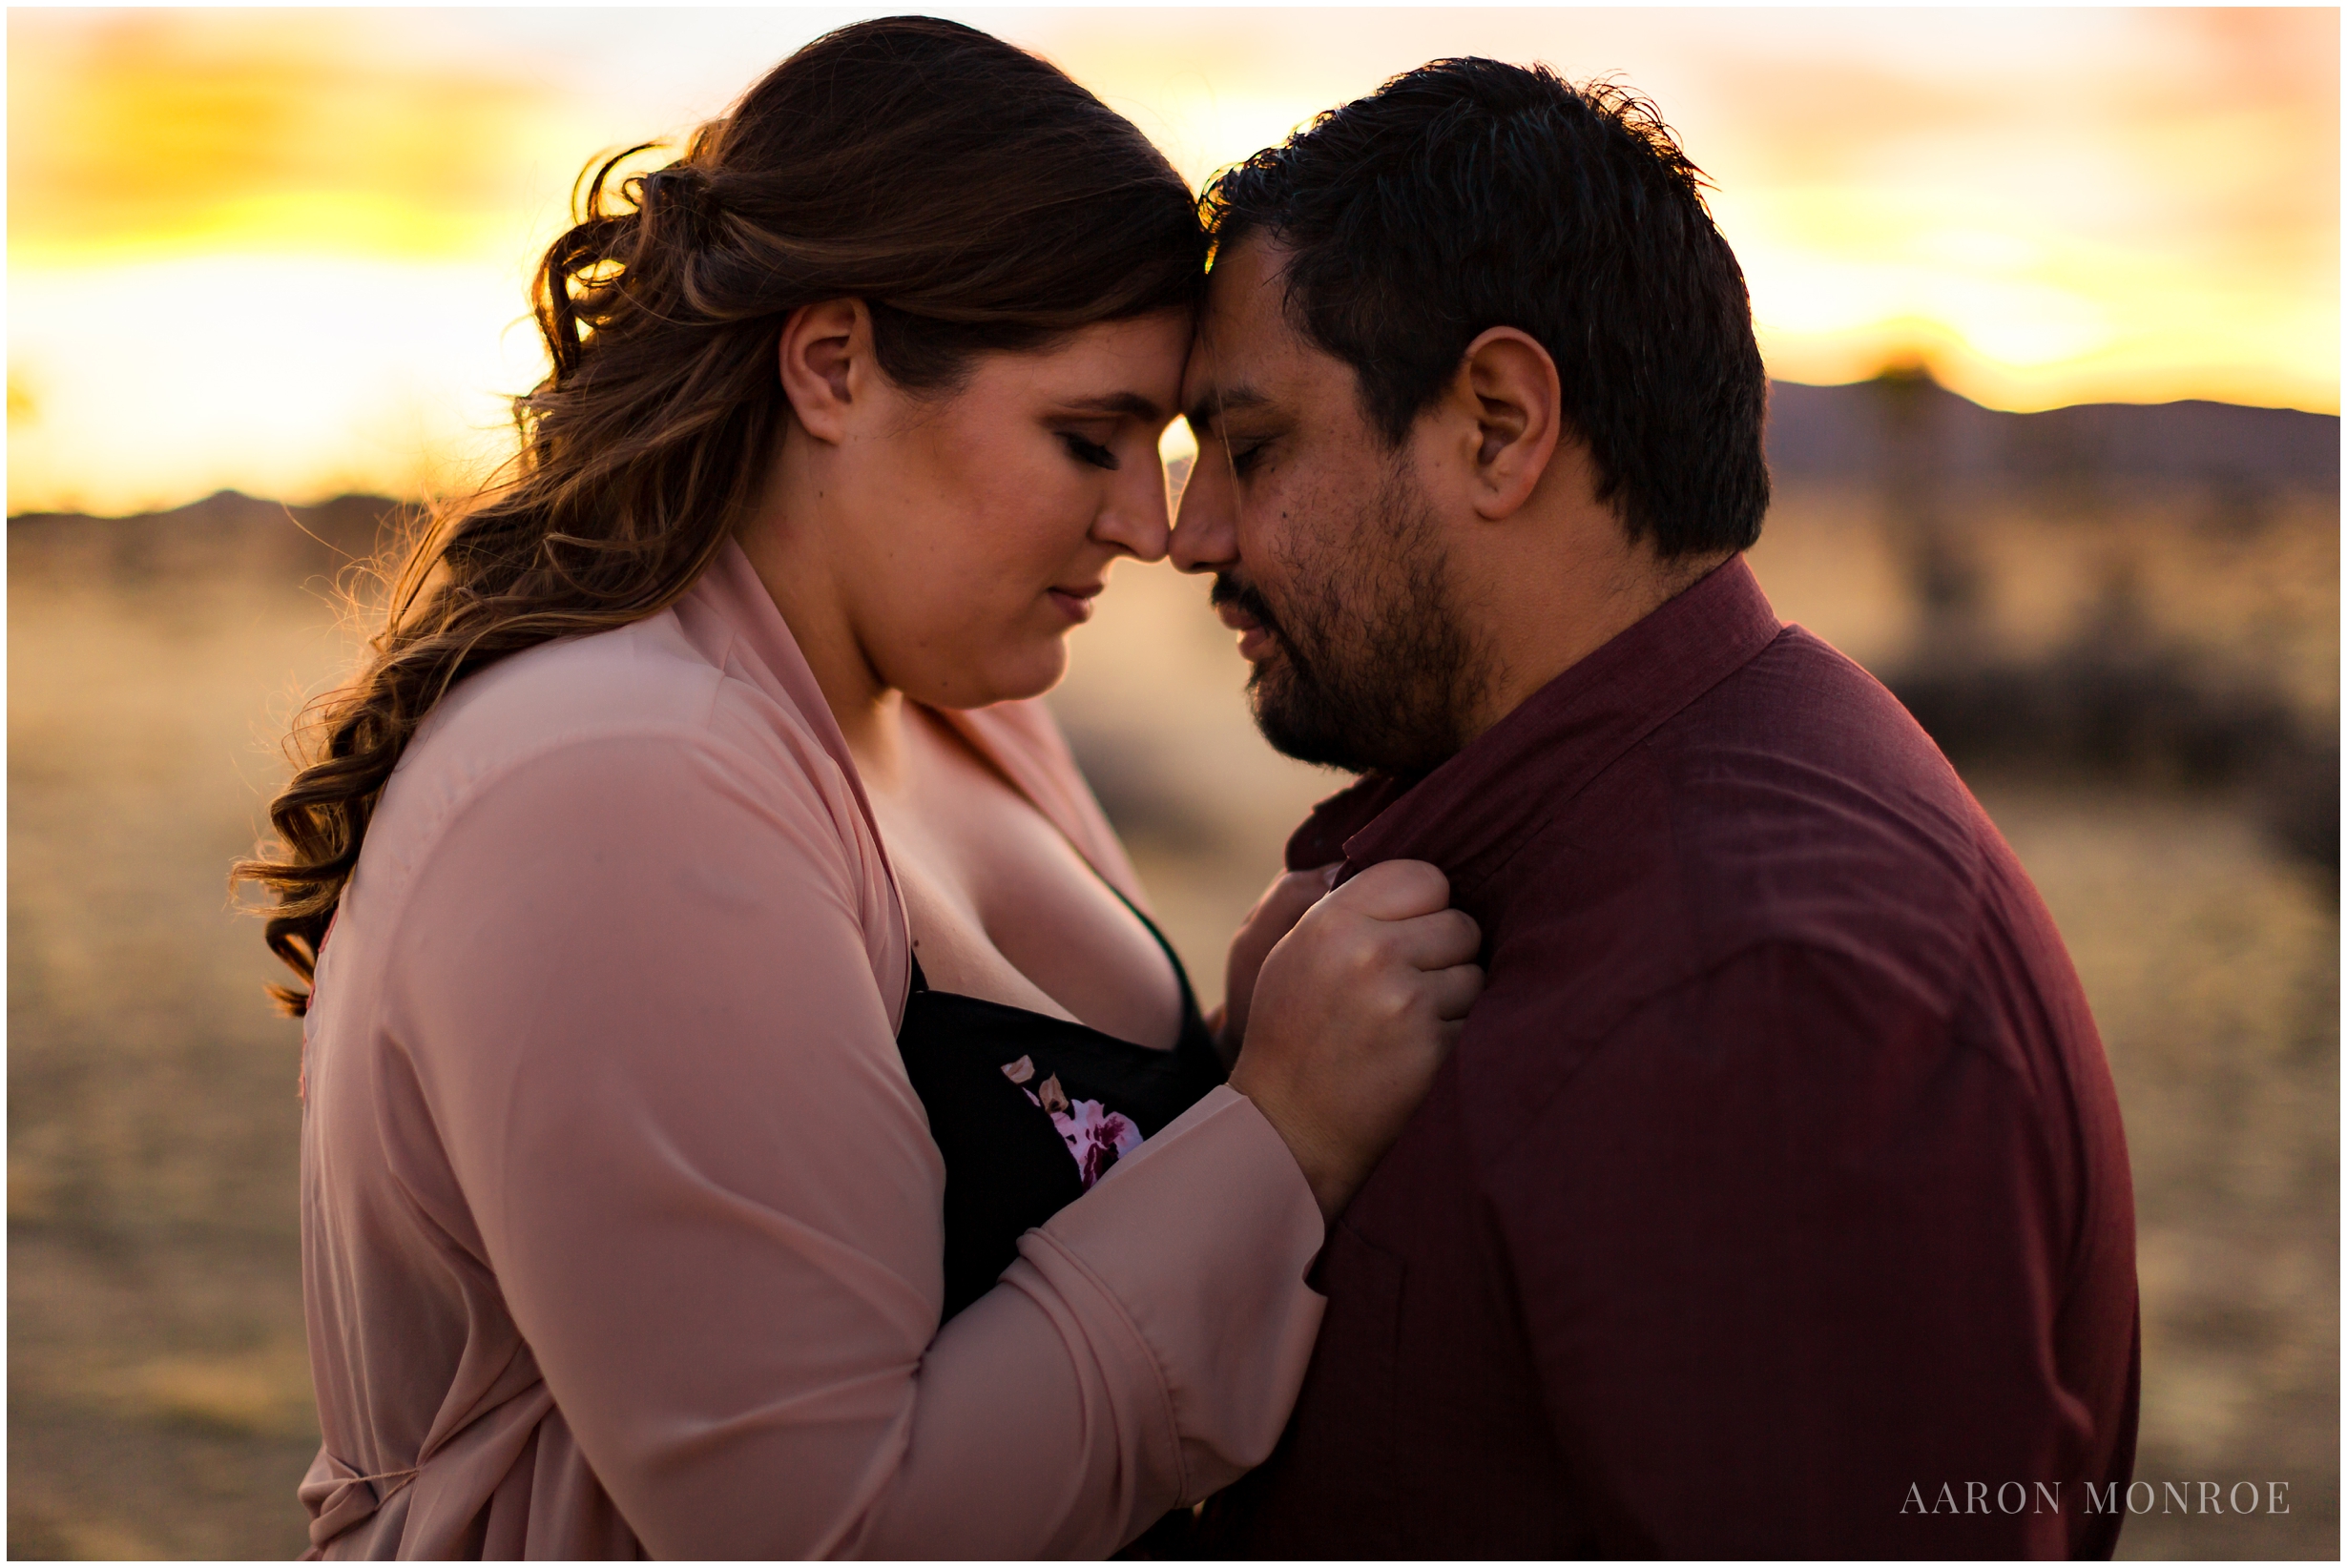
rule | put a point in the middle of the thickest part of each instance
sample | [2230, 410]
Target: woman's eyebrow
[1119, 403]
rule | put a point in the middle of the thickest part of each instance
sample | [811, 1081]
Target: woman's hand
[1352, 1012]
[1274, 914]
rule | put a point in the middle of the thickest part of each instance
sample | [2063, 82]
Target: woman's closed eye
[1088, 451]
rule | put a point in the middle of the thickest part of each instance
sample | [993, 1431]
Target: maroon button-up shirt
[1775, 1201]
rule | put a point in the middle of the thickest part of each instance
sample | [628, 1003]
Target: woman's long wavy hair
[974, 196]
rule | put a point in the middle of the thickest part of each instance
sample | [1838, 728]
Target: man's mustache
[1230, 588]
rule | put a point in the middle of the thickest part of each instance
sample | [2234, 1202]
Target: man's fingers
[1394, 890]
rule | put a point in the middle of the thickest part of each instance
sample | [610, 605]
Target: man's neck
[1535, 623]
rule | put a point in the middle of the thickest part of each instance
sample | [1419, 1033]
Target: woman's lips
[1075, 602]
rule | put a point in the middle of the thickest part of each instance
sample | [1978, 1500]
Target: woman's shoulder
[642, 676]
[648, 680]
[645, 701]
[590, 770]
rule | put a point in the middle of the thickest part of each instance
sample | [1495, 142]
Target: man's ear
[1511, 384]
[826, 359]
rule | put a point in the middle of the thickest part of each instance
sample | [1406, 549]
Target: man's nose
[1206, 527]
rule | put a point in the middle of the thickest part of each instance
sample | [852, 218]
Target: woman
[730, 978]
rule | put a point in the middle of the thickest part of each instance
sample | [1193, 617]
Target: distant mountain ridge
[1849, 432]
[1854, 432]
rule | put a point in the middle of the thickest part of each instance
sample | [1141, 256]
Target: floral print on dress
[1096, 1136]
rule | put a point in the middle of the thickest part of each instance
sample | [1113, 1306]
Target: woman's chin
[1029, 672]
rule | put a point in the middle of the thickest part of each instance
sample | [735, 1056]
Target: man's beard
[1370, 668]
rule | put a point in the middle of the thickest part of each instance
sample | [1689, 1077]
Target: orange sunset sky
[285, 250]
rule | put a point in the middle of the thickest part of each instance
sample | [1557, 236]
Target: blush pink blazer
[620, 1220]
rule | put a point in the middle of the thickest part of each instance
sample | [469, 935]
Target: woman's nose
[1205, 536]
[1135, 519]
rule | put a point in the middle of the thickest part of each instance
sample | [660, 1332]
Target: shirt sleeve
[634, 986]
[1791, 1250]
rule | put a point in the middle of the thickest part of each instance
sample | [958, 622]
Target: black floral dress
[1029, 1110]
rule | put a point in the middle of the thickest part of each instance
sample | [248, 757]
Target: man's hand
[1352, 1011]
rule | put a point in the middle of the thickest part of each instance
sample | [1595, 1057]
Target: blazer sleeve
[633, 984]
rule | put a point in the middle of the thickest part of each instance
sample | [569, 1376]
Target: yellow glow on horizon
[2019, 322]
[286, 251]
[160, 134]
[298, 378]
[259, 251]
[2150, 232]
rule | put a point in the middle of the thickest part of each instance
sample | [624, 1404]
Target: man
[1775, 1201]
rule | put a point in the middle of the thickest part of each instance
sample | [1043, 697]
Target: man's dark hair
[1470, 193]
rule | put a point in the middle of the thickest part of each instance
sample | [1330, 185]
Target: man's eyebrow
[1119, 403]
[1216, 402]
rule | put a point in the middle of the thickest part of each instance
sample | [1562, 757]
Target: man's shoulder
[1797, 805]
[1802, 703]
[1801, 752]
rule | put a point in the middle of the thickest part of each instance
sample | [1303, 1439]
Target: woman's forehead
[1126, 367]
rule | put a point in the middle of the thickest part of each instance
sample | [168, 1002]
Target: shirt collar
[1467, 815]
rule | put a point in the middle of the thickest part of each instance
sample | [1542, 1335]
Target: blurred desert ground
[2130, 648]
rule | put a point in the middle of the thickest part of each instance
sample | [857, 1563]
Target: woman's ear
[826, 359]
[1511, 382]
